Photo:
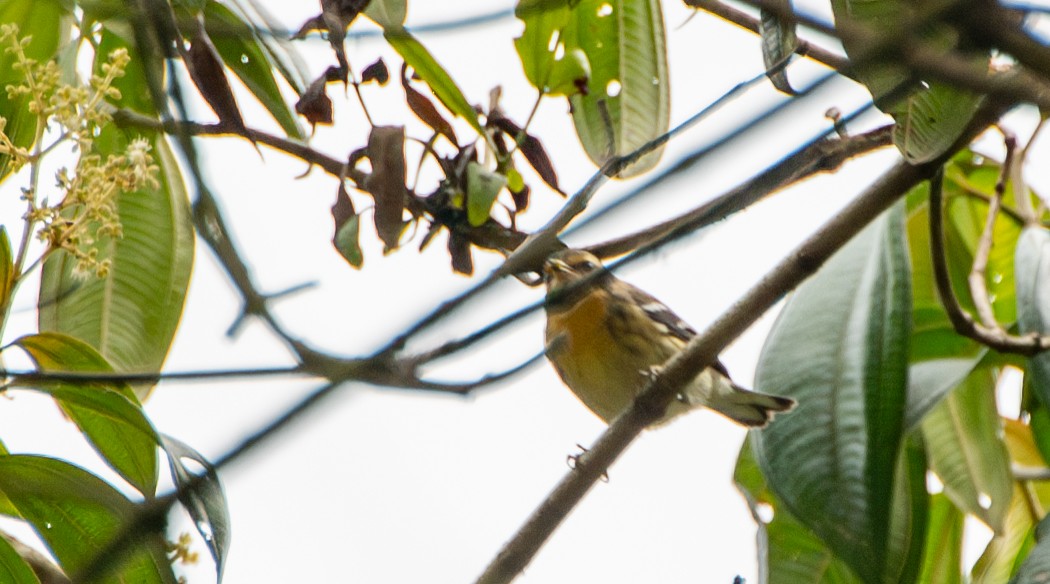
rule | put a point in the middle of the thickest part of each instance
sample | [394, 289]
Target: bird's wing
[666, 318]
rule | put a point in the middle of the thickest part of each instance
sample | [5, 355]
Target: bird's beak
[552, 268]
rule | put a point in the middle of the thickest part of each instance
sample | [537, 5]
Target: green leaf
[7, 272]
[930, 381]
[1036, 569]
[347, 229]
[840, 347]
[779, 42]
[423, 63]
[14, 569]
[1033, 300]
[628, 101]
[965, 449]
[243, 52]
[483, 186]
[943, 558]
[77, 515]
[788, 552]
[931, 120]
[106, 412]
[999, 559]
[552, 71]
[389, 14]
[930, 115]
[207, 503]
[129, 316]
[134, 85]
[42, 21]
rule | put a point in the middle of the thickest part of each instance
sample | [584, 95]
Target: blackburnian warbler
[605, 337]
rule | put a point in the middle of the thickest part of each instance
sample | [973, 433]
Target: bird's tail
[750, 408]
[713, 389]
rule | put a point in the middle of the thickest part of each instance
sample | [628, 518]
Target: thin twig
[978, 271]
[923, 58]
[962, 322]
[820, 155]
[746, 21]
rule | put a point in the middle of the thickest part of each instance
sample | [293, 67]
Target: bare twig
[979, 269]
[962, 322]
[925, 59]
[822, 155]
[745, 20]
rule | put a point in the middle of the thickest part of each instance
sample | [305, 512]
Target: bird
[606, 338]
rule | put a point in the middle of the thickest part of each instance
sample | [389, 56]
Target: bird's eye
[587, 265]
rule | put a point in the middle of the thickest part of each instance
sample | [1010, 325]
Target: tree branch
[962, 322]
[748, 22]
[703, 349]
[822, 155]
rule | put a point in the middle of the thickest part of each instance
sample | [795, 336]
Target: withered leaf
[425, 109]
[336, 16]
[521, 198]
[386, 183]
[532, 149]
[459, 251]
[347, 228]
[376, 72]
[208, 74]
[314, 104]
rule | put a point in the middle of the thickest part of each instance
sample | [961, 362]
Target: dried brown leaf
[459, 251]
[314, 104]
[208, 74]
[347, 228]
[386, 183]
[425, 109]
[376, 72]
[531, 148]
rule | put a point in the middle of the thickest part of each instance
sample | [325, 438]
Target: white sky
[385, 485]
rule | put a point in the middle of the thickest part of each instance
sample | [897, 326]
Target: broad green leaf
[840, 347]
[999, 559]
[1033, 301]
[930, 115]
[931, 120]
[423, 63]
[388, 14]
[133, 86]
[278, 48]
[483, 186]
[42, 21]
[243, 52]
[77, 515]
[933, 336]
[13, 569]
[628, 101]
[106, 412]
[929, 381]
[788, 552]
[129, 316]
[965, 450]
[1036, 568]
[207, 503]
[548, 64]
[942, 562]
[909, 513]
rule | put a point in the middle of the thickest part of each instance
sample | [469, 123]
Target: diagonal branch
[703, 350]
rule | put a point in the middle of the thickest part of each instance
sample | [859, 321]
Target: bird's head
[569, 266]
